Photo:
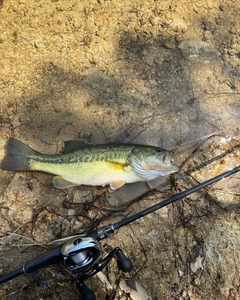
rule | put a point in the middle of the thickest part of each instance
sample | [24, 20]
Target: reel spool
[81, 254]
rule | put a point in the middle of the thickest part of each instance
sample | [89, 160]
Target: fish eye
[158, 149]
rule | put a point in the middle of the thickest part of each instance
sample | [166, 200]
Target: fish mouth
[175, 168]
[163, 162]
[169, 165]
[164, 166]
[163, 170]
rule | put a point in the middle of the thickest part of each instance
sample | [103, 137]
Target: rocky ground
[165, 73]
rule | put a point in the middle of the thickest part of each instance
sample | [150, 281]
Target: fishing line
[83, 255]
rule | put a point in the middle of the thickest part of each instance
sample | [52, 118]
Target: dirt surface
[165, 73]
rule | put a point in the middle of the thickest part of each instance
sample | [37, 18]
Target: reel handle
[124, 263]
[86, 293]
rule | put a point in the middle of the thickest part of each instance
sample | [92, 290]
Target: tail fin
[16, 156]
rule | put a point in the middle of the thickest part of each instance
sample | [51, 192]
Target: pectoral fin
[60, 183]
[116, 184]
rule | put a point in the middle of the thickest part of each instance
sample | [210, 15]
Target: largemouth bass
[95, 165]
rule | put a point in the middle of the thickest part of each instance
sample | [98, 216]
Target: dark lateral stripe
[77, 158]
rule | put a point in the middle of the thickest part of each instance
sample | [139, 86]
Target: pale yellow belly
[101, 174]
[92, 173]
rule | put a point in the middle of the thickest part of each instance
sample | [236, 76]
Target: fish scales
[85, 165]
[98, 165]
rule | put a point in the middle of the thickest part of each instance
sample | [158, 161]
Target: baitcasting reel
[83, 255]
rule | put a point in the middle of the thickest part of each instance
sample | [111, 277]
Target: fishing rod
[83, 254]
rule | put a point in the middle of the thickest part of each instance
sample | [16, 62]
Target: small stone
[221, 7]
[197, 281]
[210, 5]
[153, 21]
[235, 46]
[71, 212]
[198, 48]
[235, 40]
[196, 9]
[82, 196]
[233, 30]
[231, 52]
[168, 16]
[112, 200]
[179, 25]
[208, 36]
[169, 45]
[41, 42]
[149, 59]
[179, 38]
[233, 63]
[184, 293]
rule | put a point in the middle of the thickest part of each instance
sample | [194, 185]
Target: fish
[93, 165]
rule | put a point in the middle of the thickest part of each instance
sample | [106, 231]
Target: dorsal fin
[72, 145]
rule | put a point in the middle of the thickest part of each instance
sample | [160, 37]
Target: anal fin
[60, 183]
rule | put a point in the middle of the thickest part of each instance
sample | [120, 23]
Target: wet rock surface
[164, 73]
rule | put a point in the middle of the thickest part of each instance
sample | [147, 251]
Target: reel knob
[124, 263]
[86, 293]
